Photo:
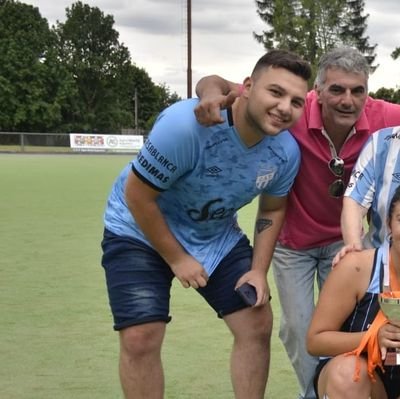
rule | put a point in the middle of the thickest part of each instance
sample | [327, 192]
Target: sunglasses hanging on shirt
[336, 188]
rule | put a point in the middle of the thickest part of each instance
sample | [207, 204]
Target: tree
[73, 77]
[165, 99]
[353, 28]
[312, 27]
[390, 95]
[151, 98]
[33, 83]
[280, 15]
[89, 47]
[396, 53]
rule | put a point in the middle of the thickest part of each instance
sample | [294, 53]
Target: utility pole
[135, 100]
[189, 48]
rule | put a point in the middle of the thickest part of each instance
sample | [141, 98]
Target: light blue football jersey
[204, 175]
[374, 179]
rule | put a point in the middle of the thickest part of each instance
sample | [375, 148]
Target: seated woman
[348, 305]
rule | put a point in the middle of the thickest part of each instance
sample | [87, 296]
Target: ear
[318, 90]
[246, 87]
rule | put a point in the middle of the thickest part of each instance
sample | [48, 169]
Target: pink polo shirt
[313, 217]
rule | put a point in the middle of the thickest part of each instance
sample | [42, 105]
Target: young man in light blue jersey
[172, 212]
[373, 181]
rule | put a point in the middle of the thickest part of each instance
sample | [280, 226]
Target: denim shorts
[139, 281]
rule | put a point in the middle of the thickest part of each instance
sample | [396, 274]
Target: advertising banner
[105, 142]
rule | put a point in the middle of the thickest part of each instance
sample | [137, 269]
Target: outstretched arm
[352, 219]
[215, 93]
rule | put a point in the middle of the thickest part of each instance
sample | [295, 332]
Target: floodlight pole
[189, 48]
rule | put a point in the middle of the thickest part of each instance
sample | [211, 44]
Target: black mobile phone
[248, 293]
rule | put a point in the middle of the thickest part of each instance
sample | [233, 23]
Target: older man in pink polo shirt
[337, 120]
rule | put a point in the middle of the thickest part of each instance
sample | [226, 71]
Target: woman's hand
[389, 337]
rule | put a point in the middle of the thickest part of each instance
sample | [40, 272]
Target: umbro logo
[214, 170]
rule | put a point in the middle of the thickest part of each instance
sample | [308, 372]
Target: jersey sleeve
[171, 148]
[285, 178]
[361, 186]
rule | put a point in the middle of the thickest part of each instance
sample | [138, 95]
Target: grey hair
[346, 58]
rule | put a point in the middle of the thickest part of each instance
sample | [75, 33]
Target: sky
[155, 32]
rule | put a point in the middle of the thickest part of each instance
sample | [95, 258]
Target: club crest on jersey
[264, 176]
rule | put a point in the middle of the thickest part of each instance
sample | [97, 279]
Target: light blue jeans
[295, 273]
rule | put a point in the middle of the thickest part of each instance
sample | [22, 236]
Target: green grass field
[56, 337]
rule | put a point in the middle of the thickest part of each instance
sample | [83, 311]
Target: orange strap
[369, 343]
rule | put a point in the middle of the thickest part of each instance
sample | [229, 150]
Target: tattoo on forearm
[263, 224]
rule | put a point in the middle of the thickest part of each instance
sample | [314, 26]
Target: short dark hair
[284, 59]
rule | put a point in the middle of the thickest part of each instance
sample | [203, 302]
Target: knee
[260, 330]
[340, 377]
[142, 339]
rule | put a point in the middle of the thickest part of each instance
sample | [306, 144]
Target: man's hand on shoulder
[344, 250]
